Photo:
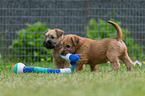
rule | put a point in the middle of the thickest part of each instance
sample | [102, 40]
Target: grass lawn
[84, 83]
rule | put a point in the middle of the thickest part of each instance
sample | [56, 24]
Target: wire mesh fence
[23, 23]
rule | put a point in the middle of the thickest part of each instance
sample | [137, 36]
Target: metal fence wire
[23, 22]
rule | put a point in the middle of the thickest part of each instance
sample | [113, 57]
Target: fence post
[86, 17]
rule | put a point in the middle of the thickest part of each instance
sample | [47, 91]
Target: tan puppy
[97, 52]
[53, 39]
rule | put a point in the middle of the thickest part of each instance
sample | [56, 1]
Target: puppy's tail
[119, 31]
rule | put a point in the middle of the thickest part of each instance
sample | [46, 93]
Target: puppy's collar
[58, 47]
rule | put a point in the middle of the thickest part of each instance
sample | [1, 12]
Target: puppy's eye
[67, 46]
[52, 37]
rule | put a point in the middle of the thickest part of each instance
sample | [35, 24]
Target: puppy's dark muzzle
[48, 44]
[62, 53]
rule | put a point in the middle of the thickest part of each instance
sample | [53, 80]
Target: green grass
[84, 83]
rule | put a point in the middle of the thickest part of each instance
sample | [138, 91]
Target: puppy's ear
[59, 32]
[46, 31]
[75, 40]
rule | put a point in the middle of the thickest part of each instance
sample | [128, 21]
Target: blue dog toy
[71, 58]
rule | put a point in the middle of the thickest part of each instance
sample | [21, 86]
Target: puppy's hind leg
[125, 58]
[114, 62]
[93, 68]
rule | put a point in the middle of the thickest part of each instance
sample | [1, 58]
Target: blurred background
[23, 23]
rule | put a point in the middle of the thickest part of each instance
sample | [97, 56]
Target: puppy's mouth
[49, 44]
[64, 52]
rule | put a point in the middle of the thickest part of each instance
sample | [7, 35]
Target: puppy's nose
[62, 53]
[48, 42]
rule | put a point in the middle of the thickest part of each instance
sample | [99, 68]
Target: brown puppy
[53, 39]
[96, 52]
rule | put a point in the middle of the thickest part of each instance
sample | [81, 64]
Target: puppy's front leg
[79, 64]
